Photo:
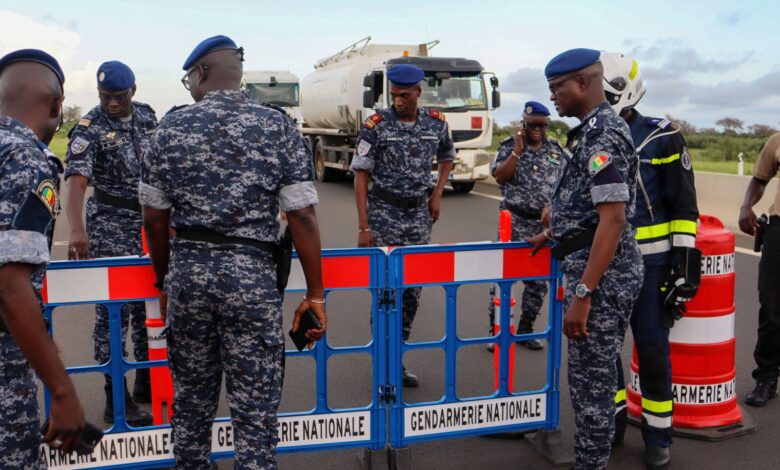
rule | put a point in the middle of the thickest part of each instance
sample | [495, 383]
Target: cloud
[528, 82]
[22, 32]
[731, 19]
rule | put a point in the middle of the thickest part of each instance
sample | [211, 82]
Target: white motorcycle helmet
[623, 82]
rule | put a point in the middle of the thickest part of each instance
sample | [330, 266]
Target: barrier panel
[115, 281]
[452, 266]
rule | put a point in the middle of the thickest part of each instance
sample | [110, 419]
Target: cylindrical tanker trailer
[348, 87]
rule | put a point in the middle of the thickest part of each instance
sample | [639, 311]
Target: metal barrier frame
[451, 343]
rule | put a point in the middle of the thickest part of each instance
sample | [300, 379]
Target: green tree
[730, 125]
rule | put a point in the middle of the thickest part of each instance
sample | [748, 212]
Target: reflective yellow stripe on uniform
[620, 396]
[665, 160]
[657, 406]
[653, 231]
[683, 226]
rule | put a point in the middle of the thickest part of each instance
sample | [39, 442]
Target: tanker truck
[349, 86]
[279, 87]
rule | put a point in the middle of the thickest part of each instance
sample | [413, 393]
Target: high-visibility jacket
[666, 209]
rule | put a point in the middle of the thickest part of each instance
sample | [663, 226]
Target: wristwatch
[582, 291]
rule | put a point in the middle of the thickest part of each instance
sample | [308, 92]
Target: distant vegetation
[711, 149]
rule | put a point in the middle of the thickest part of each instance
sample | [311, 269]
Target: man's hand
[78, 245]
[537, 242]
[748, 222]
[520, 143]
[66, 421]
[365, 239]
[319, 311]
[434, 206]
[576, 319]
[546, 217]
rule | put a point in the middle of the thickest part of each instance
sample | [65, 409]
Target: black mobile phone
[308, 322]
[89, 439]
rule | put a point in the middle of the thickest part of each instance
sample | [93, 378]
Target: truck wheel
[462, 187]
[324, 174]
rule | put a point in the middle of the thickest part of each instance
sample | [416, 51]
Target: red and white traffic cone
[504, 235]
[162, 383]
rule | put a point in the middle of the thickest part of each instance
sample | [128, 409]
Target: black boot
[142, 388]
[409, 379]
[532, 344]
[135, 416]
[621, 417]
[765, 390]
[657, 457]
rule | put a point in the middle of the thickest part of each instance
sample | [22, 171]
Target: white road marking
[746, 251]
[489, 196]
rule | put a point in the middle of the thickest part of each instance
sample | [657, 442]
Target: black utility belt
[399, 202]
[116, 201]
[569, 245]
[210, 236]
[522, 212]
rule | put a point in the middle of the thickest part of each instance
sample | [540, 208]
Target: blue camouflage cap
[212, 44]
[33, 55]
[405, 75]
[571, 61]
[115, 76]
[534, 108]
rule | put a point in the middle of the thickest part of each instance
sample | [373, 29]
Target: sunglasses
[121, 98]
[535, 125]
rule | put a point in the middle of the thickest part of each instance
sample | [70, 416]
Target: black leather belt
[108, 199]
[523, 212]
[569, 245]
[774, 219]
[400, 202]
[210, 236]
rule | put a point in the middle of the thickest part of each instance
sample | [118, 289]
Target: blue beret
[115, 76]
[405, 75]
[534, 108]
[214, 43]
[33, 55]
[571, 61]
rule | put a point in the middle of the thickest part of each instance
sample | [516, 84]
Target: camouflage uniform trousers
[116, 232]
[392, 226]
[533, 291]
[592, 369]
[224, 315]
[20, 428]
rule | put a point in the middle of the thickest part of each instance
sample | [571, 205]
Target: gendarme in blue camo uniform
[29, 202]
[525, 196]
[226, 165]
[399, 158]
[599, 166]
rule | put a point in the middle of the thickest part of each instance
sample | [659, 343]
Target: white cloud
[24, 32]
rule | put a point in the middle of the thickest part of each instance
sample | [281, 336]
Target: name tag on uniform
[113, 143]
[554, 160]
[393, 139]
[430, 137]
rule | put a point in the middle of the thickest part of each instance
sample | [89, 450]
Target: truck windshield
[453, 94]
[281, 94]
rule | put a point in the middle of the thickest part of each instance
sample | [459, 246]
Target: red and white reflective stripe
[703, 330]
[153, 310]
[338, 272]
[475, 265]
[98, 284]
[156, 337]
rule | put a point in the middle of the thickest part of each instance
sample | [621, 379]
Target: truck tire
[463, 187]
[324, 174]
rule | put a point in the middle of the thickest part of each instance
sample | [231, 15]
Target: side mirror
[368, 99]
[494, 81]
[496, 98]
[368, 81]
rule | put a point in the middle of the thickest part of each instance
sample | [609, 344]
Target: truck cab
[278, 87]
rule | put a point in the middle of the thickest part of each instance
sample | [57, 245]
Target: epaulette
[372, 121]
[437, 114]
[280, 109]
[174, 109]
[658, 122]
[144, 105]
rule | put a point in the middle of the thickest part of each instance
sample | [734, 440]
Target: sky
[701, 61]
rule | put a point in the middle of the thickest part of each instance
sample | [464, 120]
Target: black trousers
[767, 352]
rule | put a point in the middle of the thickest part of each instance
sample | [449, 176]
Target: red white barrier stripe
[474, 265]
[703, 330]
[695, 394]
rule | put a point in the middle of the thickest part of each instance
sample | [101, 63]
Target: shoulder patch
[598, 161]
[84, 122]
[47, 193]
[78, 145]
[437, 114]
[685, 159]
[372, 121]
